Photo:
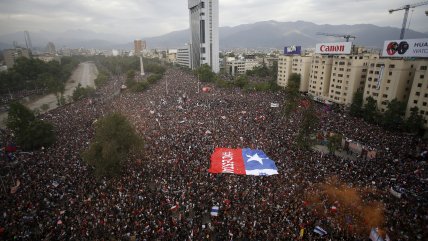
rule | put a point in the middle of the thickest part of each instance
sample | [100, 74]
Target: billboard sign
[290, 50]
[334, 48]
[406, 48]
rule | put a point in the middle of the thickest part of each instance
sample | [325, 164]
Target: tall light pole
[141, 66]
[166, 85]
[198, 84]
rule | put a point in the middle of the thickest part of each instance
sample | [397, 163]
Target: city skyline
[136, 19]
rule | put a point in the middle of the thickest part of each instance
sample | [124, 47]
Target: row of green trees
[116, 65]
[392, 119]
[30, 74]
[205, 74]
[154, 71]
[30, 133]
[82, 92]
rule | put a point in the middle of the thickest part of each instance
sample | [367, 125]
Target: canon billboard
[334, 48]
[290, 50]
[406, 48]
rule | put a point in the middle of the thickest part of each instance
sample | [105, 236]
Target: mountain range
[262, 35]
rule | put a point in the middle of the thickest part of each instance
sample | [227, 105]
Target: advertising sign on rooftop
[406, 48]
[292, 50]
[334, 48]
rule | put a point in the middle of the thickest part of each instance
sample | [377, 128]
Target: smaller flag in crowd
[375, 236]
[214, 211]
[320, 231]
[302, 232]
[174, 208]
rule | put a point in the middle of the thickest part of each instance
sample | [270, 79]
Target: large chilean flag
[242, 161]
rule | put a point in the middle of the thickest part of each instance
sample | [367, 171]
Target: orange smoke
[356, 211]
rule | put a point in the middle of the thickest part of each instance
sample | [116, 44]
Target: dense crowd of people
[167, 193]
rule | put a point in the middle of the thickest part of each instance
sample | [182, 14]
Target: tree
[356, 108]
[36, 74]
[259, 71]
[37, 134]
[130, 74]
[370, 113]
[415, 122]
[274, 71]
[81, 92]
[241, 81]
[114, 139]
[393, 116]
[292, 91]
[205, 74]
[19, 117]
[294, 83]
[308, 126]
[44, 107]
[334, 142]
[30, 133]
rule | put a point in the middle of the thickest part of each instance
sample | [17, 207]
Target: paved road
[85, 74]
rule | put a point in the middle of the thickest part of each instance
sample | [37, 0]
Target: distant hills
[260, 35]
[273, 34]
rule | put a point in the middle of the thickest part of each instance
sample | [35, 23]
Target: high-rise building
[348, 75]
[419, 93]
[319, 79]
[297, 64]
[139, 46]
[50, 48]
[204, 39]
[335, 78]
[28, 41]
[389, 79]
[10, 55]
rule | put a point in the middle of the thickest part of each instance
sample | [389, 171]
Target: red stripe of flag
[225, 160]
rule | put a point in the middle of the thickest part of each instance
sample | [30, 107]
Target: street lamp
[198, 84]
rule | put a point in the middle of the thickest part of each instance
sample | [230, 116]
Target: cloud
[145, 18]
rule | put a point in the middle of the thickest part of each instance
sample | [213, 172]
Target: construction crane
[346, 36]
[406, 13]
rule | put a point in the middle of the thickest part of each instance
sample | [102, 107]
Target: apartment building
[284, 70]
[288, 65]
[419, 91]
[139, 46]
[348, 74]
[389, 79]
[239, 66]
[183, 56]
[10, 55]
[319, 79]
[47, 57]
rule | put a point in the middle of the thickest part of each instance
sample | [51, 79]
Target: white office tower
[204, 38]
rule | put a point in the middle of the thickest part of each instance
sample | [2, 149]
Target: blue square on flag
[258, 163]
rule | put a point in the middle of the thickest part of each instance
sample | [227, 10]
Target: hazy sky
[146, 18]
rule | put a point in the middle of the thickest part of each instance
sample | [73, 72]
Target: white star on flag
[256, 158]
